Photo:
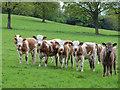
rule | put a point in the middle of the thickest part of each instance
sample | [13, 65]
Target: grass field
[15, 75]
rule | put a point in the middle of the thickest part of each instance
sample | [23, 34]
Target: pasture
[15, 75]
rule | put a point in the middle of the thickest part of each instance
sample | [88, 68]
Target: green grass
[15, 75]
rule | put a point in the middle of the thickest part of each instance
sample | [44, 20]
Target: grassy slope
[25, 76]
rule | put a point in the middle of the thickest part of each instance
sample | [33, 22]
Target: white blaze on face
[20, 43]
[39, 40]
[76, 45]
[61, 46]
[18, 36]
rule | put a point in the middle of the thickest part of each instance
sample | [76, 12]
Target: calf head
[16, 38]
[76, 45]
[109, 46]
[39, 40]
[20, 43]
[60, 46]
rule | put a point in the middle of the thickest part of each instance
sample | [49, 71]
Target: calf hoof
[82, 71]
[77, 69]
[65, 66]
[98, 62]
[93, 70]
[103, 75]
[39, 65]
[20, 63]
[45, 65]
[72, 66]
[61, 67]
[115, 73]
[107, 74]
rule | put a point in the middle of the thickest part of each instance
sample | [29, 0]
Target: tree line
[89, 14]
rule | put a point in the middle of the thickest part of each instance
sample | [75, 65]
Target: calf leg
[111, 70]
[46, 60]
[56, 60]
[90, 61]
[77, 63]
[72, 60]
[104, 70]
[93, 66]
[107, 70]
[26, 57]
[82, 63]
[20, 57]
[66, 62]
[34, 55]
[115, 67]
[61, 61]
[39, 59]
[94, 61]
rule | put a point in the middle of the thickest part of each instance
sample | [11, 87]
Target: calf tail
[98, 52]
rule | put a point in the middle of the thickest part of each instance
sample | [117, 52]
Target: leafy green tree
[94, 9]
[25, 8]
[9, 7]
[45, 9]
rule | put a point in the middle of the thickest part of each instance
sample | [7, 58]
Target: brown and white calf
[84, 51]
[64, 51]
[100, 49]
[109, 58]
[15, 40]
[45, 49]
[26, 46]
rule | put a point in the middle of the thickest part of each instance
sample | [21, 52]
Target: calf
[99, 52]
[15, 40]
[45, 49]
[64, 51]
[84, 51]
[109, 57]
[25, 46]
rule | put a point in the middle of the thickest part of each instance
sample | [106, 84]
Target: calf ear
[103, 44]
[15, 35]
[114, 44]
[34, 37]
[71, 43]
[56, 43]
[81, 43]
[24, 39]
[44, 38]
[20, 36]
[65, 43]
[15, 39]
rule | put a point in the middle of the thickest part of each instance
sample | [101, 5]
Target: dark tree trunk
[9, 19]
[43, 18]
[96, 26]
[43, 14]
[95, 19]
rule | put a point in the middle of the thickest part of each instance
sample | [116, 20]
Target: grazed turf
[31, 76]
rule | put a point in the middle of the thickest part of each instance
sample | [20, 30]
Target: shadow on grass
[61, 32]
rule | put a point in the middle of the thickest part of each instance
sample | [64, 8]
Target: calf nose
[39, 44]
[109, 51]
[75, 49]
[19, 46]
[61, 49]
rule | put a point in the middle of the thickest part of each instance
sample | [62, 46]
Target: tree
[44, 9]
[94, 9]
[9, 7]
